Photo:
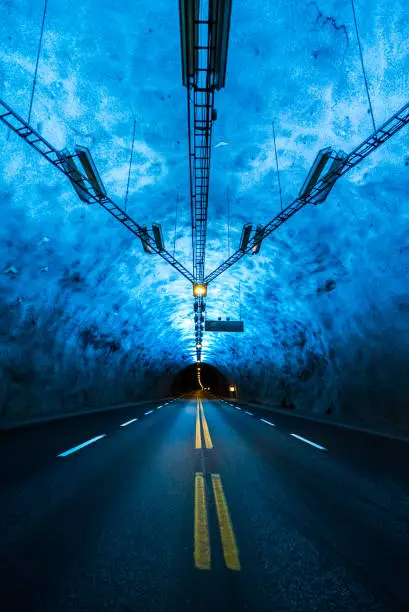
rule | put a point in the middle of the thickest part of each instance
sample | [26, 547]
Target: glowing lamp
[199, 290]
[232, 388]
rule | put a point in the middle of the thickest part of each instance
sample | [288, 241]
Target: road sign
[224, 326]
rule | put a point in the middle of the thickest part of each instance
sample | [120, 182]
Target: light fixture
[331, 176]
[85, 157]
[189, 37]
[232, 388]
[158, 236]
[245, 236]
[258, 235]
[145, 239]
[317, 168]
[220, 10]
[77, 180]
[198, 345]
[199, 290]
[219, 15]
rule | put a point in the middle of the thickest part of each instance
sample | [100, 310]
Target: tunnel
[210, 379]
[204, 305]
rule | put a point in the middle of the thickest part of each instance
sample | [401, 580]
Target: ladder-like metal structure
[20, 127]
[201, 104]
[201, 114]
[393, 125]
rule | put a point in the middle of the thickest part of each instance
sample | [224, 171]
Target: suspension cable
[278, 171]
[130, 164]
[363, 66]
[176, 221]
[228, 222]
[37, 61]
[239, 300]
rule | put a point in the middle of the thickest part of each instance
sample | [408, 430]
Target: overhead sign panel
[224, 326]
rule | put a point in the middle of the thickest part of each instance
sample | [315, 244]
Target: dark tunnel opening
[212, 379]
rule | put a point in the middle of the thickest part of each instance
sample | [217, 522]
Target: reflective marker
[149, 412]
[308, 441]
[76, 448]
[268, 422]
[247, 412]
[128, 422]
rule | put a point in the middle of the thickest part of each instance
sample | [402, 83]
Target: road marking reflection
[149, 412]
[198, 443]
[230, 550]
[128, 422]
[201, 422]
[201, 528]
[206, 433]
[308, 441]
[268, 422]
[77, 448]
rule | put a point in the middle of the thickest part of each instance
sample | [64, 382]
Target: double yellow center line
[200, 418]
[202, 553]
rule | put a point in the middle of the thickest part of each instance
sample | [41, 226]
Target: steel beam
[20, 127]
[393, 125]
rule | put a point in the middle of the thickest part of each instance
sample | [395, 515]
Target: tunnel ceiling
[325, 303]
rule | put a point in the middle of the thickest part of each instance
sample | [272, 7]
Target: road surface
[198, 505]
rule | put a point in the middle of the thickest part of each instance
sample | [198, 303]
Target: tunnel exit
[212, 380]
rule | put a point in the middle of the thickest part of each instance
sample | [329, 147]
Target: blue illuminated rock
[325, 303]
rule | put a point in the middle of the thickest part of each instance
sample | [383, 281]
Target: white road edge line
[247, 412]
[236, 407]
[308, 442]
[128, 422]
[268, 422]
[77, 448]
[149, 412]
[159, 407]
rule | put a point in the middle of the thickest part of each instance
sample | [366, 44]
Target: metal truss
[393, 125]
[201, 114]
[200, 106]
[20, 127]
[200, 94]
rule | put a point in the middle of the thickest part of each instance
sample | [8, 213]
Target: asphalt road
[201, 506]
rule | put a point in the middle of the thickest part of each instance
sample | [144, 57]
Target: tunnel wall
[51, 365]
[88, 318]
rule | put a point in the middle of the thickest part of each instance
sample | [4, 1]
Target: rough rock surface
[87, 318]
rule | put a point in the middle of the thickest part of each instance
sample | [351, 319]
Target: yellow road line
[202, 543]
[198, 443]
[230, 550]
[206, 433]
